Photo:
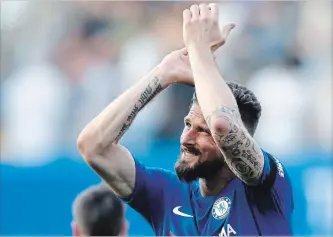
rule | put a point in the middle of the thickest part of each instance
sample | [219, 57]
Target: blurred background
[63, 62]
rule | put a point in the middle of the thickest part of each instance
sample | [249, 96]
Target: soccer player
[97, 211]
[225, 184]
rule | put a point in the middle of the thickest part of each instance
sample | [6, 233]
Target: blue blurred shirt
[175, 208]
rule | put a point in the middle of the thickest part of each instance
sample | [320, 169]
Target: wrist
[164, 75]
[198, 48]
[200, 53]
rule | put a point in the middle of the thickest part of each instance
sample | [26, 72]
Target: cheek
[211, 142]
[209, 148]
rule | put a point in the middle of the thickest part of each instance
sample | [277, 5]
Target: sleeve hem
[138, 171]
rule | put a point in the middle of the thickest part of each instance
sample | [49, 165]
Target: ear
[124, 229]
[75, 229]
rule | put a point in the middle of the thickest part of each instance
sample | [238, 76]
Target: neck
[214, 184]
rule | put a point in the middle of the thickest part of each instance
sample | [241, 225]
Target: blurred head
[199, 156]
[98, 212]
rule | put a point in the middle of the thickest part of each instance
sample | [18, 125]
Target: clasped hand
[200, 30]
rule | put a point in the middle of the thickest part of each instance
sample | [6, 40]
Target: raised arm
[216, 101]
[98, 142]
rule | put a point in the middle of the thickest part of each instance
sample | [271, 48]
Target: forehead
[195, 114]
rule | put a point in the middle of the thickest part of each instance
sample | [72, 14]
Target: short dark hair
[248, 105]
[97, 211]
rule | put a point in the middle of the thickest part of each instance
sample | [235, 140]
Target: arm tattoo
[240, 150]
[153, 88]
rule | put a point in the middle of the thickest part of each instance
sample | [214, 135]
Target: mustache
[190, 149]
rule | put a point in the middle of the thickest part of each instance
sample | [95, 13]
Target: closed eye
[187, 124]
[204, 130]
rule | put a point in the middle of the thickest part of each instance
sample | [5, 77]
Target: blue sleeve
[148, 193]
[274, 189]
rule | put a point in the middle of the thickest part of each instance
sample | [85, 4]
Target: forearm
[212, 91]
[222, 115]
[111, 124]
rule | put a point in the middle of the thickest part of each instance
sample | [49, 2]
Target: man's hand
[201, 27]
[176, 68]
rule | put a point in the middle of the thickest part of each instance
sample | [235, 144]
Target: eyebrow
[206, 129]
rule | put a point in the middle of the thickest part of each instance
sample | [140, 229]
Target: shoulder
[158, 176]
[275, 190]
[274, 178]
[276, 181]
[276, 168]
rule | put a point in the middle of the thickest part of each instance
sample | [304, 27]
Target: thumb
[224, 35]
[227, 29]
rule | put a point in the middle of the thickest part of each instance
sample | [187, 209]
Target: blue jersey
[175, 208]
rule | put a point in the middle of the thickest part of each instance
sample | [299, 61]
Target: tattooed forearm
[241, 154]
[132, 115]
[243, 171]
[228, 115]
[240, 150]
[153, 88]
[123, 130]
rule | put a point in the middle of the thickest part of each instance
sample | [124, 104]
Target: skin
[217, 103]
[99, 145]
[196, 134]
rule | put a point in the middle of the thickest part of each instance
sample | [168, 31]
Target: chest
[214, 216]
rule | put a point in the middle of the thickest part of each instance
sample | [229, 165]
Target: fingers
[186, 16]
[194, 11]
[197, 18]
[214, 9]
[204, 10]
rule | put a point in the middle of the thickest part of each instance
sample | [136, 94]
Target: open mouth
[189, 153]
[189, 156]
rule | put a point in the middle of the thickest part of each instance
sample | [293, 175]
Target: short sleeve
[274, 173]
[148, 193]
[274, 190]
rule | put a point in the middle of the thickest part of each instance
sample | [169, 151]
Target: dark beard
[205, 169]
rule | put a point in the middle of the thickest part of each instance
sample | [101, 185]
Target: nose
[188, 137]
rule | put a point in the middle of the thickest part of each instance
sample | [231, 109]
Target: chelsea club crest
[221, 208]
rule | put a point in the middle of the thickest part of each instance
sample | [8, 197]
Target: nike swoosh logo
[177, 212]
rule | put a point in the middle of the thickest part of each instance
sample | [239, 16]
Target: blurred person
[35, 92]
[89, 58]
[268, 28]
[225, 184]
[317, 72]
[33, 108]
[41, 102]
[98, 212]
